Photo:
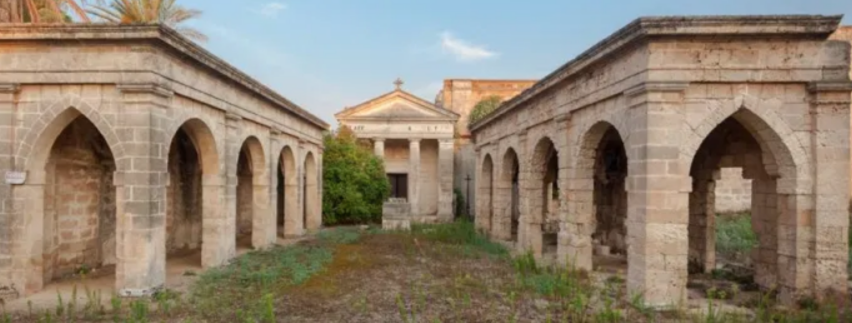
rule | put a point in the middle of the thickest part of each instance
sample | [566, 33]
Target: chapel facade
[415, 139]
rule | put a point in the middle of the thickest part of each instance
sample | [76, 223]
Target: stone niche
[396, 214]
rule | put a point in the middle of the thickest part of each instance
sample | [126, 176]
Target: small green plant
[115, 302]
[268, 309]
[60, 305]
[139, 311]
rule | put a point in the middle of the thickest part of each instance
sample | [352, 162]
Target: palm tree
[36, 11]
[148, 11]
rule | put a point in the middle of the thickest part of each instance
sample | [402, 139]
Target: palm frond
[77, 10]
[148, 11]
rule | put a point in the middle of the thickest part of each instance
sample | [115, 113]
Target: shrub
[734, 235]
[354, 181]
[484, 108]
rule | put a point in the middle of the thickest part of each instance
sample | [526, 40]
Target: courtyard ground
[435, 273]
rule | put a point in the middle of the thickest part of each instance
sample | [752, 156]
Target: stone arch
[541, 199]
[74, 163]
[506, 217]
[45, 130]
[749, 138]
[252, 196]
[485, 194]
[199, 127]
[773, 134]
[193, 192]
[288, 221]
[311, 206]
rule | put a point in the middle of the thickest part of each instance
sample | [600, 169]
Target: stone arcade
[630, 136]
[138, 145]
[415, 140]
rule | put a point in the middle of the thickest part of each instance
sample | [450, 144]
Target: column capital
[274, 133]
[379, 139]
[414, 140]
[656, 86]
[150, 88]
[830, 92]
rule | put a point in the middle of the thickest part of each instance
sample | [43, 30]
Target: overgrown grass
[461, 233]
[734, 234]
[263, 274]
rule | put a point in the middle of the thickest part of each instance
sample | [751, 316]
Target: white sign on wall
[15, 177]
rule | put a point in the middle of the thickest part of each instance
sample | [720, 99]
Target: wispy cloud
[271, 9]
[462, 50]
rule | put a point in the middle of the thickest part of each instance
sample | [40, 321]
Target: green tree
[483, 108]
[164, 12]
[354, 181]
[38, 11]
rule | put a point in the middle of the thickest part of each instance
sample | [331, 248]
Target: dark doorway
[399, 185]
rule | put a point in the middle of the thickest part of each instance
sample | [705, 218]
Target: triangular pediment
[396, 105]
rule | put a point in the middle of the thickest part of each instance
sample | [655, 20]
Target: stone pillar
[445, 180]
[830, 111]
[233, 144]
[658, 195]
[379, 147]
[8, 93]
[574, 239]
[414, 176]
[140, 211]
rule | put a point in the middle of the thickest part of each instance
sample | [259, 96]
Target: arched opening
[610, 201]
[735, 144]
[79, 227]
[191, 196]
[287, 219]
[507, 199]
[310, 210]
[544, 199]
[251, 201]
[484, 196]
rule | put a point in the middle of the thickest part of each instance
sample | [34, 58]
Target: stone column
[445, 180]
[140, 211]
[233, 143]
[414, 175]
[658, 194]
[830, 111]
[379, 147]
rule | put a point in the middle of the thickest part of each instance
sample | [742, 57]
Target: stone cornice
[831, 86]
[640, 30]
[164, 35]
[151, 88]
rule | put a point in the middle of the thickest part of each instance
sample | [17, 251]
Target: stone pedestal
[396, 215]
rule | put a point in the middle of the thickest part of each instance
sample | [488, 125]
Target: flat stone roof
[790, 26]
[161, 34]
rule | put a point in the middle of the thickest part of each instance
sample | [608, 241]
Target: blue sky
[327, 54]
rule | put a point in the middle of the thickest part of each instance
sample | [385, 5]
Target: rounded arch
[507, 197]
[202, 135]
[204, 141]
[510, 165]
[252, 151]
[775, 137]
[50, 125]
[485, 194]
[253, 223]
[287, 194]
[544, 167]
[587, 148]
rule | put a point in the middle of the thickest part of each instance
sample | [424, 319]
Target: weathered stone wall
[733, 192]
[664, 95]
[460, 96]
[844, 34]
[138, 85]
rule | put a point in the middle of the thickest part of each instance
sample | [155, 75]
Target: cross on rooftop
[398, 83]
